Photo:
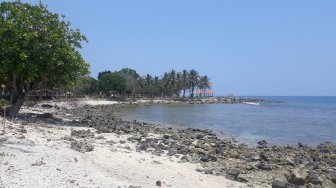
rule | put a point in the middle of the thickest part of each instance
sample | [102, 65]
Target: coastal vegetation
[38, 49]
[127, 82]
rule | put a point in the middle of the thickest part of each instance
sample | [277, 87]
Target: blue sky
[247, 47]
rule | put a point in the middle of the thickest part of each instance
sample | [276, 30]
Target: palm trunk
[184, 91]
[192, 91]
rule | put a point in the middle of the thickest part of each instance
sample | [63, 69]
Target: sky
[246, 47]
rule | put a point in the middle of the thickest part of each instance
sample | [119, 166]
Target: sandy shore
[39, 154]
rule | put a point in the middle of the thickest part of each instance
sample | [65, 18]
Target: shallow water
[287, 120]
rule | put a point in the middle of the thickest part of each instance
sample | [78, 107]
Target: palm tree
[165, 82]
[204, 84]
[193, 81]
[149, 84]
[184, 81]
[169, 82]
[156, 86]
[178, 84]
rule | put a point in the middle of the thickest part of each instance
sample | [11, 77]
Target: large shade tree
[132, 79]
[111, 82]
[38, 49]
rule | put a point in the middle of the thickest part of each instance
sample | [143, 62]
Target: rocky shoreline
[261, 166]
[282, 166]
[206, 100]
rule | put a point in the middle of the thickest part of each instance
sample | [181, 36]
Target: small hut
[204, 93]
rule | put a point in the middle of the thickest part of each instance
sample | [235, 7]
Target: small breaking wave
[252, 103]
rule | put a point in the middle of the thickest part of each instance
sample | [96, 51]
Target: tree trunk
[17, 96]
[192, 91]
[184, 91]
[16, 105]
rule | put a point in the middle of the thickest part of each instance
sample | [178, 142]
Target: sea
[284, 121]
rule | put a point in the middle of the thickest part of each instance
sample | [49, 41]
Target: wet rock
[233, 172]
[82, 133]
[208, 171]
[300, 159]
[205, 158]
[45, 115]
[186, 158]
[81, 146]
[241, 179]
[166, 136]
[315, 157]
[141, 147]
[332, 176]
[314, 179]
[171, 152]
[300, 145]
[201, 151]
[22, 130]
[254, 158]
[134, 186]
[199, 136]
[264, 156]
[175, 137]
[46, 105]
[262, 143]
[279, 184]
[330, 161]
[264, 166]
[200, 169]
[296, 177]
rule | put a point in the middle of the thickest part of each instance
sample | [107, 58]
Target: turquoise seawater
[286, 120]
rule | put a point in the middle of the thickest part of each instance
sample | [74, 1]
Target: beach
[83, 144]
[39, 154]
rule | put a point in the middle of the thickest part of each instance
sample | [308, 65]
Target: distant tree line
[127, 82]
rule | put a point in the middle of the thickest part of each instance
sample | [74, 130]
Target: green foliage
[101, 74]
[132, 79]
[172, 83]
[38, 49]
[86, 85]
[109, 82]
[4, 103]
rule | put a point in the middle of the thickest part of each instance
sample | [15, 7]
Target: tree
[101, 74]
[132, 80]
[184, 81]
[193, 81]
[109, 82]
[38, 50]
[204, 84]
[86, 85]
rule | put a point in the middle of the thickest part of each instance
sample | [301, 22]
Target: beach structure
[204, 93]
[207, 92]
